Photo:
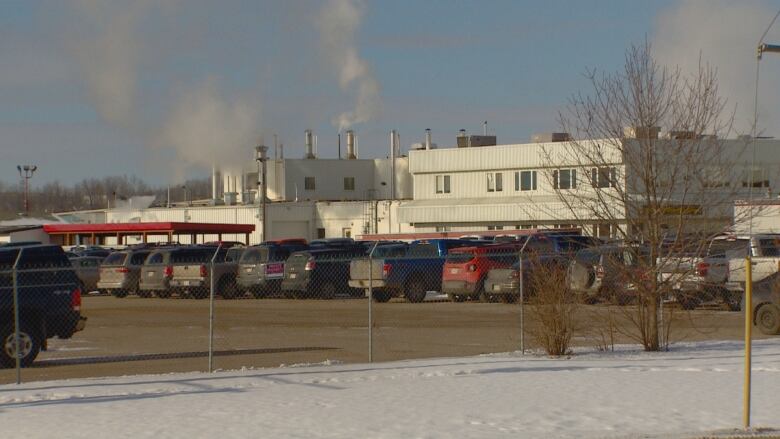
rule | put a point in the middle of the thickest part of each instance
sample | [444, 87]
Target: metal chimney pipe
[309, 145]
[393, 137]
[214, 190]
[351, 154]
[427, 138]
[484, 128]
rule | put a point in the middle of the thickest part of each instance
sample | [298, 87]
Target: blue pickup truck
[49, 300]
[409, 270]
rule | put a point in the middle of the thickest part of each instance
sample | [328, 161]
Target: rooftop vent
[310, 154]
[470, 141]
[641, 132]
[550, 137]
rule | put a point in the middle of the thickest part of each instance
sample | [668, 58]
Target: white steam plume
[206, 128]
[725, 34]
[109, 58]
[338, 22]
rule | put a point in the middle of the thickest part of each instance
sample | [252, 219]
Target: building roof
[156, 227]
[4, 230]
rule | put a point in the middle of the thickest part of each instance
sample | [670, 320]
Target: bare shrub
[552, 307]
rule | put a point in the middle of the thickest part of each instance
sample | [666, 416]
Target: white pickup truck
[696, 279]
[766, 282]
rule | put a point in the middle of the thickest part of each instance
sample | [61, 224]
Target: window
[525, 181]
[442, 184]
[308, 183]
[442, 228]
[320, 233]
[495, 182]
[346, 232]
[565, 179]
[155, 259]
[495, 227]
[758, 177]
[349, 183]
[603, 177]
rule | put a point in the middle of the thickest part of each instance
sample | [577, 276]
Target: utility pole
[26, 172]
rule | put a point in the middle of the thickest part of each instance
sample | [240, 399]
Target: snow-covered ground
[693, 389]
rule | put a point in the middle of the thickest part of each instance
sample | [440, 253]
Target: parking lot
[135, 335]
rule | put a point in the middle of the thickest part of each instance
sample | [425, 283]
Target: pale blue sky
[442, 65]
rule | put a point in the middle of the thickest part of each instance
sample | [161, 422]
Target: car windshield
[234, 254]
[115, 259]
[254, 256]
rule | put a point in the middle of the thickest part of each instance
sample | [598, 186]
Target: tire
[258, 293]
[30, 342]
[163, 294]
[298, 294]
[456, 297]
[733, 300]
[688, 303]
[768, 319]
[228, 289]
[121, 294]
[382, 296]
[509, 298]
[144, 293]
[200, 293]
[415, 291]
[327, 291]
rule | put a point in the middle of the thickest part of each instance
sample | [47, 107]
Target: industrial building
[474, 185]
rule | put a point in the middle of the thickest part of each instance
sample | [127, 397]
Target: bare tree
[669, 193]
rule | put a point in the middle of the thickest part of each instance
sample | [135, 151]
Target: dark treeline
[92, 193]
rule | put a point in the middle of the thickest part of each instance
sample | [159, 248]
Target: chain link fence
[160, 309]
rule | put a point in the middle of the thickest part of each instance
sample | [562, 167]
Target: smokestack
[281, 151]
[484, 128]
[351, 153]
[309, 145]
[393, 147]
[214, 177]
[427, 138]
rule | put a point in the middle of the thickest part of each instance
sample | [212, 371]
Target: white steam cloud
[338, 22]
[109, 58]
[725, 34]
[205, 128]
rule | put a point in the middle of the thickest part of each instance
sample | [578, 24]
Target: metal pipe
[212, 287]
[428, 138]
[392, 164]
[748, 340]
[370, 303]
[351, 153]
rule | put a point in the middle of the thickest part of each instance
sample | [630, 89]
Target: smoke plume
[338, 22]
[206, 128]
[725, 34]
[108, 55]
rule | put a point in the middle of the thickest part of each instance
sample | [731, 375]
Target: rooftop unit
[550, 137]
[470, 141]
[641, 132]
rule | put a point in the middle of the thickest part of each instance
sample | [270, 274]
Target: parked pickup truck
[766, 282]
[320, 272]
[409, 270]
[49, 301]
[191, 271]
[696, 279]
[261, 268]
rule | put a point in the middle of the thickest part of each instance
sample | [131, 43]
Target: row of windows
[310, 184]
[528, 180]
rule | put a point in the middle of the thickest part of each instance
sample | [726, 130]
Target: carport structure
[96, 234]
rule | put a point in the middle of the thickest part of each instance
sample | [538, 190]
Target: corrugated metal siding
[463, 212]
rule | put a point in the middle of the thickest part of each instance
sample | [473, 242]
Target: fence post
[17, 341]
[212, 289]
[522, 305]
[371, 303]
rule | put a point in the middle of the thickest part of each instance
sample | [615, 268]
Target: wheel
[509, 298]
[732, 299]
[688, 303]
[119, 293]
[768, 319]
[456, 297]
[327, 291]
[415, 291]
[289, 294]
[200, 293]
[382, 296]
[299, 294]
[228, 289]
[144, 293]
[163, 294]
[29, 345]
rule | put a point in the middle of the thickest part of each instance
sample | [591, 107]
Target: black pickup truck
[49, 300]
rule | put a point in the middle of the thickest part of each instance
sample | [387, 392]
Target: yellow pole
[748, 339]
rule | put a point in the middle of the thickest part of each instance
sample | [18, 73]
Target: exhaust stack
[310, 154]
[428, 138]
[351, 152]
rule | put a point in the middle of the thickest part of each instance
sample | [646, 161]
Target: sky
[164, 89]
